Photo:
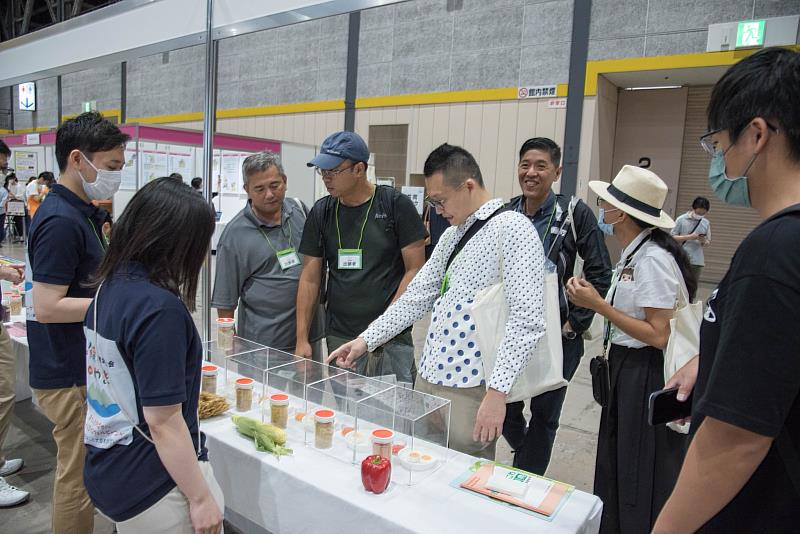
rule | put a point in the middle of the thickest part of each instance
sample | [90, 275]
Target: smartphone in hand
[665, 407]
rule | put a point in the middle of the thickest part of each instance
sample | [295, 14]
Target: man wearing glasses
[370, 241]
[742, 470]
[485, 245]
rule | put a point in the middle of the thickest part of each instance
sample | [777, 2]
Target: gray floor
[29, 438]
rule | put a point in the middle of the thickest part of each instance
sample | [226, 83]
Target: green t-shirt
[358, 297]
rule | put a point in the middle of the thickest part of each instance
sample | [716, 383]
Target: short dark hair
[48, 177]
[197, 182]
[765, 84]
[166, 227]
[456, 165]
[4, 149]
[701, 203]
[545, 145]
[88, 132]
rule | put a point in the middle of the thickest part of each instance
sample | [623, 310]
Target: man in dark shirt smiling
[65, 247]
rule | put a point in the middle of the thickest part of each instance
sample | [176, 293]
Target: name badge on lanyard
[288, 258]
[350, 259]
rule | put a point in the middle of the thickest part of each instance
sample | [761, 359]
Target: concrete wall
[102, 84]
[304, 62]
[5, 108]
[419, 46]
[166, 84]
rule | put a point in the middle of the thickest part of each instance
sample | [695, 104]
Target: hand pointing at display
[346, 355]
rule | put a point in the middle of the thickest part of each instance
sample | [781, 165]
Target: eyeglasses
[439, 204]
[710, 146]
[332, 173]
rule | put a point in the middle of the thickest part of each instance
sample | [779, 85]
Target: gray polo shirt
[685, 225]
[249, 277]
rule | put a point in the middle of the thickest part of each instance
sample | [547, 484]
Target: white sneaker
[11, 467]
[11, 496]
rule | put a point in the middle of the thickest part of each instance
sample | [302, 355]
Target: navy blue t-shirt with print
[64, 249]
[147, 353]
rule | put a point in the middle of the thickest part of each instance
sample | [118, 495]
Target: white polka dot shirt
[451, 356]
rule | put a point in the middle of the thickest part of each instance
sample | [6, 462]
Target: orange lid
[209, 369]
[225, 321]
[382, 435]
[244, 383]
[279, 397]
[324, 416]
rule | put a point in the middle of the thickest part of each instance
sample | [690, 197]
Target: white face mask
[105, 184]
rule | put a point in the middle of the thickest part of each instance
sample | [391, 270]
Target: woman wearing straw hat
[637, 464]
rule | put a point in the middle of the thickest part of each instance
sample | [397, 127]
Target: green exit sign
[750, 34]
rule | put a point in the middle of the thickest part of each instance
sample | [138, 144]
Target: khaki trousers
[8, 377]
[170, 515]
[73, 512]
[463, 410]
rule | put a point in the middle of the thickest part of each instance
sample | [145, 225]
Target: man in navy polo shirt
[65, 248]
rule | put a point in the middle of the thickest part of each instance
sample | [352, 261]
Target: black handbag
[601, 380]
[599, 367]
[600, 370]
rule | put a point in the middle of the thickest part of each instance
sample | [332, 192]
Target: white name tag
[288, 258]
[350, 259]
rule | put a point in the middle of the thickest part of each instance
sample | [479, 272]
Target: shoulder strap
[301, 205]
[386, 199]
[607, 333]
[692, 231]
[469, 234]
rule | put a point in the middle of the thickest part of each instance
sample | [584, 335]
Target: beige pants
[170, 515]
[73, 512]
[8, 376]
[463, 410]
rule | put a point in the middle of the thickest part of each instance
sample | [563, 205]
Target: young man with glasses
[538, 169]
[370, 241]
[742, 470]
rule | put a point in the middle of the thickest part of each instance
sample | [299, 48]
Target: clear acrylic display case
[421, 425]
[292, 378]
[254, 364]
[215, 354]
[350, 397]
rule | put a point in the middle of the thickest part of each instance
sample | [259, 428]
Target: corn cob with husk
[267, 437]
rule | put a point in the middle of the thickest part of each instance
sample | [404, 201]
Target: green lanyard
[289, 224]
[94, 230]
[363, 225]
[446, 280]
[549, 226]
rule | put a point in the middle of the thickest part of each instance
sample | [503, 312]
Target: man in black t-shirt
[742, 470]
[370, 241]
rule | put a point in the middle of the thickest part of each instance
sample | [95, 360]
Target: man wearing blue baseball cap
[370, 241]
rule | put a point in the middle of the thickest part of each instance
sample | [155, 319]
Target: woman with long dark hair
[143, 369]
[637, 464]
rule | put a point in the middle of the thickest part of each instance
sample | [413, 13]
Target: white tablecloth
[312, 492]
